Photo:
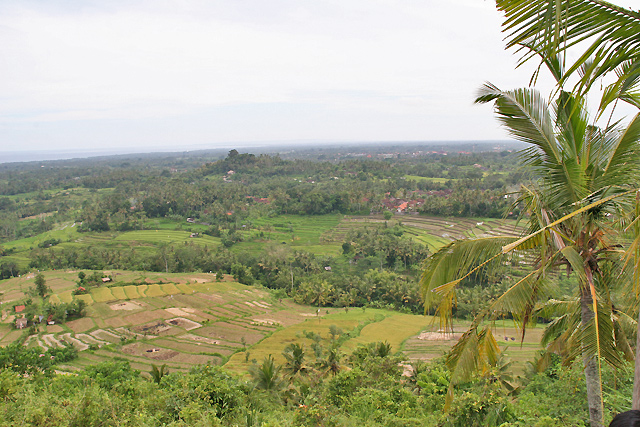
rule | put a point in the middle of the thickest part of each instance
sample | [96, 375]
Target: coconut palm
[294, 355]
[562, 335]
[266, 376]
[608, 34]
[585, 176]
[331, 362]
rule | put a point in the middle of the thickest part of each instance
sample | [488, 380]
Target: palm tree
[294, 354]
[585, 177]
[562, 335]
[158, 373]
[266, 376]
[548, 28]
[382, 349]
[331, 362]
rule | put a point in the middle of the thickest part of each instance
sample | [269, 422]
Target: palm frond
[526, 116]
[557, 308]
[554, 27]
[598, 339]
[624, 88]
[622, 342]
[624, 155]
[520, 300]
[576, 261]
[560, 328]
[446, 268]
[476, 350]
[518, 243]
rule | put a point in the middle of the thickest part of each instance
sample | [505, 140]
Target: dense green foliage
[364, 387]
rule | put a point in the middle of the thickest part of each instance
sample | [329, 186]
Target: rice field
[297, 231]
[194, 319]
[132, 320]
[166, 237]
[154, 291]
[118, 293]
[320, 235]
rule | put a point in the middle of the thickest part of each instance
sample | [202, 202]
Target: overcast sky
[148, 74]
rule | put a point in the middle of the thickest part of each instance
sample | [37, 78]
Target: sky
[147, 74]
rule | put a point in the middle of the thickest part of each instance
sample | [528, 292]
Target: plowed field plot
[231, 333]
[217, 299]
[146, 316]
[126, 306]
[283, 318]
[222, 313]
[155, 328]
[183, 323]
[198, 338]
[155, 353]
[182, 311]
[106, 336]
[187, 346]
[81, 325]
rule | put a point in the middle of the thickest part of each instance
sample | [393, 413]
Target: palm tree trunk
[591, 371]
[635, 402]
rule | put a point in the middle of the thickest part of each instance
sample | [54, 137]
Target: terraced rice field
[304, 232]
[166, 236]
[320, 235]
[434, 232]
[204, 321]
[186, 319]
[171, 326]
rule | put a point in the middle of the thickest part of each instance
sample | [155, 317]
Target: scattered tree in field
[41, 288]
